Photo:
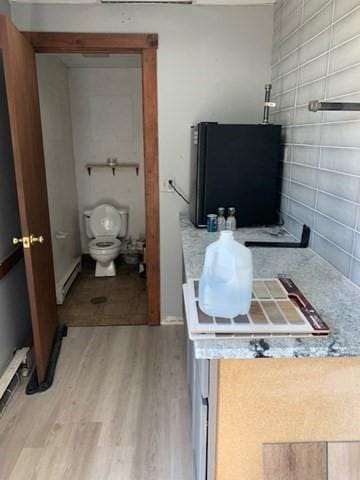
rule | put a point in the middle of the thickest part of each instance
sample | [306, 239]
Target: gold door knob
[34, 239]
[24, 240]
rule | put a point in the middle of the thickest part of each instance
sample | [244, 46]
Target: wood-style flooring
[120, 300]
[118, 409]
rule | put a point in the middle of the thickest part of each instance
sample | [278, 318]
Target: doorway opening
[92, 125]
[146, 46]
[18, 50]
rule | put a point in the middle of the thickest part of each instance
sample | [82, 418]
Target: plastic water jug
[225, 286]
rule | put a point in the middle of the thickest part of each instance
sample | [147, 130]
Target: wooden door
[24, 117]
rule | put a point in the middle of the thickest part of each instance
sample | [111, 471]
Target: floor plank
[118, 409]
[295, 461]
[344, 460]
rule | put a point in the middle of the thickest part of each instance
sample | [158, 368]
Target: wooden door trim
[146, 44]
[65, 42]
[152, 207]
[9, 262]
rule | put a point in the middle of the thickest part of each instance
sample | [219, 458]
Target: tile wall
[316, 55]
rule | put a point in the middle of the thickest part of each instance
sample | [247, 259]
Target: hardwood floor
[119, 410]
[120, 300]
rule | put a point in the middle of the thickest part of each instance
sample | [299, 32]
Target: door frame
[145, 44]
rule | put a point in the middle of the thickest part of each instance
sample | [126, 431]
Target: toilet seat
[104, 243]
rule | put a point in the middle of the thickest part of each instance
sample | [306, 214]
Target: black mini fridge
[236, 166]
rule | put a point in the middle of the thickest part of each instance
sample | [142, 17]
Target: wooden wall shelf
[90, 166]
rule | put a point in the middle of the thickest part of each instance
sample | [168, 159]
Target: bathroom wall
[59, 162]
[316, 55]
[5, 7]
[15, 324]
[213, 62]
[106, 110]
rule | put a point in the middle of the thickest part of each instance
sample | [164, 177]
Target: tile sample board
[278, 308]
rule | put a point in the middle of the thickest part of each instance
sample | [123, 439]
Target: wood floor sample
[295, 461]
[118, 410]
[344, 460]
[124, 299]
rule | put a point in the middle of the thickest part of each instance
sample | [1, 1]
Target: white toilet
[105, 225]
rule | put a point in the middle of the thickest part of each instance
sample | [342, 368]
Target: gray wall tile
[344, 6]
[317, 52]
[302, 194]
[337, 233]
[339, 259]
[341, 210]
[347, 28]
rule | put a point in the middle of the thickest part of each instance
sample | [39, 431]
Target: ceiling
[194, 2]
[77, 60]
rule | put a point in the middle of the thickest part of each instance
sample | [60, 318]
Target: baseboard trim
[172, 320]
[63, 286]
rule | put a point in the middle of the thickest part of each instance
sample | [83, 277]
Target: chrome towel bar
[316, 105]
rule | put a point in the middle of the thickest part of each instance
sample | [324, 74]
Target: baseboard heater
[63, 286]
[6, 379]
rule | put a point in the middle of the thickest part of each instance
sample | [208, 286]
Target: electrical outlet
[165, 187]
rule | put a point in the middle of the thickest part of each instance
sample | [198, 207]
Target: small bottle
[221, 223]
[231, 220]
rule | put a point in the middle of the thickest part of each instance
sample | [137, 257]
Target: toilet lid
[105, 221]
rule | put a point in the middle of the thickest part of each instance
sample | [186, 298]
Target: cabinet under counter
[274, 390]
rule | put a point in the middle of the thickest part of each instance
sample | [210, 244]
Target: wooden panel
[264, 401]
[10, 261]
[63, 42]
[25, 126]
[151, 165]
[295, 461]
[344, 460]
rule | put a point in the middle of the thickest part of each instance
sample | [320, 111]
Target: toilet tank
[124, 214]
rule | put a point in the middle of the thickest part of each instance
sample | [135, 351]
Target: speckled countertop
[334, 297]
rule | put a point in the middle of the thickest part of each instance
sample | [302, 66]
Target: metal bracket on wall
[304, 242]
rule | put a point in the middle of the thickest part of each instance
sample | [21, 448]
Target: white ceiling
[124, 60]
[194, 2]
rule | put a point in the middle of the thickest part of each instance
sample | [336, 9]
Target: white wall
[213, 63]
[59, 161]
[4, 7]
[106, 108]
[15, 324]
[317, 56]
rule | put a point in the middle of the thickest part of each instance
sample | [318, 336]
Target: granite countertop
[334, 297]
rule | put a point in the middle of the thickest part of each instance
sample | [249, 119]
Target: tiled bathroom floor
[119, 300]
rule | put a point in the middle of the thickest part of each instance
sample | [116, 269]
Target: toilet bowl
[105, 225]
